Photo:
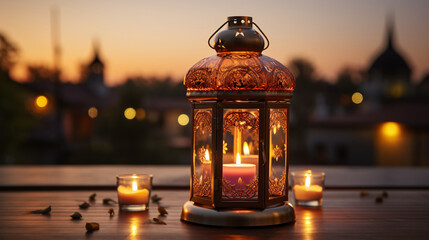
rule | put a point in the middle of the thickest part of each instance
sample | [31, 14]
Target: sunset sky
[166, 37]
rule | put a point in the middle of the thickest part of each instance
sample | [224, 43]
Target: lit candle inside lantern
[239, 173]
[247, 157]
[308, 192]
[133, 195]
[206, 166]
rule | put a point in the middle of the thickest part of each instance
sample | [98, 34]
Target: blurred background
[101, 82]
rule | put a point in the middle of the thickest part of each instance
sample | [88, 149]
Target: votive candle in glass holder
[134, 191]
[308, 187]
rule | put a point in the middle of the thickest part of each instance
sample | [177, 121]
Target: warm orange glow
[140, 114]
[28, 27]
[307, 182]
[41, 101]
[92, 112]
[130, 113]
[308, 179]
[357, 98]
[207, 155]
[246, 149]
[238, 159]
[391, 129]
[134, 187]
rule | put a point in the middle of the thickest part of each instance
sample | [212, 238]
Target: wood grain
[344, 215]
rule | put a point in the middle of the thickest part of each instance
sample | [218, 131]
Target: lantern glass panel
[202, 153]
[278, 152]
[240, 154]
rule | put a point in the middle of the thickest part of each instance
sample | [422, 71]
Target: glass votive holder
[134, 191]
[308, 187]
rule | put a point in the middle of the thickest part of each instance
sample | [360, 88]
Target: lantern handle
[266, 38]
[268, 41]
[214, 34]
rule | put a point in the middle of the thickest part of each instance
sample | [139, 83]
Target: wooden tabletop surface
[103, 177]
[344, 215]
[404, 214]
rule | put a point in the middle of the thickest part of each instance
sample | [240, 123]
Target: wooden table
[404, 214]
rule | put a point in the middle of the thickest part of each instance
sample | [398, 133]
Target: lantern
[240, 108]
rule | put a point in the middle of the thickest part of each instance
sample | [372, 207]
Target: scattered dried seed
[92, 226]
[42, 211]
[111, 212]
[384, 194]
[92, 197]
[76, 216]
[378, 199]
[107, 201]
[364, 193]
[84, 205]
[159, 221]
[162, 211]
[156, 199]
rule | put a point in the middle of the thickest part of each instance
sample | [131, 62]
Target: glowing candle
[134, 192]
[133, 195]
[308, 191]
[206, 166]
[239, 173]
[247, 157]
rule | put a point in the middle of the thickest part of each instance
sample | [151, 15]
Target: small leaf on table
[84, 205]
[155, 198]
[378, 199]
[162, 211]
[76, 216]
[108, 201]
[364, 193]
[92, 197]
[92, 226]
[42, 211]
[158, 221]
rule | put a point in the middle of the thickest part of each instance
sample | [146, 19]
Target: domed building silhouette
[388, 76]
[391, 127]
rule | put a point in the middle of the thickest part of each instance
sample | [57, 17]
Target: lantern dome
[239, 69]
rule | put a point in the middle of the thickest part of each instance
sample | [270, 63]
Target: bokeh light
[357, 98]
[140, 114]
[390, 129]
[130, 113]
[183, 120]
[41, 101]
[92, 112]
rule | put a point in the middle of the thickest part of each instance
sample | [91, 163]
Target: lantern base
[279, 214]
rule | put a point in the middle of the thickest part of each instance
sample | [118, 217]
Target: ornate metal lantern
[240, 102]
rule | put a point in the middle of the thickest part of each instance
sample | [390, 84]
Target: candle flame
[207, 155]
[307, 182]
[246, 149]
[134, 187]
[238, 159]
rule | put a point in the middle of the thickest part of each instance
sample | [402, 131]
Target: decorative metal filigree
[239, 71]
[241, 78]
[277, 186]
[204, 155]
[201, 187]
[242, 120]
[199, 79]
[225, 147]
[281, 79]
[278, 118]
[203, 121]
[277, 152]
[239, 191]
